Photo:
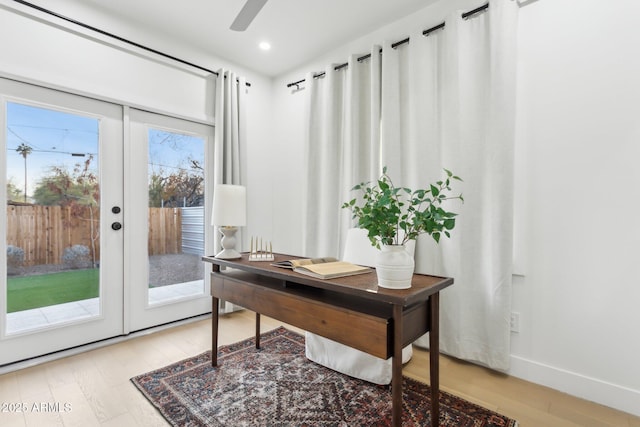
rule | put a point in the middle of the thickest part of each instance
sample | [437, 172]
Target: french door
[167, 220]
[104, 224]
[62, 160]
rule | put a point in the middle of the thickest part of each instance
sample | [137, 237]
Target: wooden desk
[350, 310]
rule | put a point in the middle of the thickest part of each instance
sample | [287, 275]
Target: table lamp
[229, 213]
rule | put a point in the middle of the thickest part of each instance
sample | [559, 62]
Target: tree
[185, 187]
[156, 193]
[14, 194]
[176, 175]
[56, 189]
[24, 150]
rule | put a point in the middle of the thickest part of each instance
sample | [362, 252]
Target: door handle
[116, 226]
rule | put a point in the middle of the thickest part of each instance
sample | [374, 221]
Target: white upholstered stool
[342, 358]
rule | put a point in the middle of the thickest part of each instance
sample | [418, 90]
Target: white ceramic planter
[394, 267]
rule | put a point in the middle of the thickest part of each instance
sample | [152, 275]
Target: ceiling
[298, 30]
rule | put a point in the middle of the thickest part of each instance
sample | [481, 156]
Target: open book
[323, 268]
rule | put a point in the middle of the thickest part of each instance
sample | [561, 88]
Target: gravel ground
[175, 268]
[164, 269]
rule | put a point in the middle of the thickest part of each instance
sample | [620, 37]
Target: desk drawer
[359, 330]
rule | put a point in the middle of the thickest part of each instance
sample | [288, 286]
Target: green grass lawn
[25, 293]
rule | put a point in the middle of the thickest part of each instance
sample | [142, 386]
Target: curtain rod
[425, 33]
[114, 36]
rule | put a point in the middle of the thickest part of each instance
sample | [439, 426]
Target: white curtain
[342, 148]
[466, 108]
[230, 132]
[448, 101]
[230, 137]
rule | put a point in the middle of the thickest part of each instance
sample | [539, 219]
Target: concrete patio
[25, 320]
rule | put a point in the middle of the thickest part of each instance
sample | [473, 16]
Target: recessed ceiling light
[264, 46]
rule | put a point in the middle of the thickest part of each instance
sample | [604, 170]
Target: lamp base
[228, 243]
[229, 254]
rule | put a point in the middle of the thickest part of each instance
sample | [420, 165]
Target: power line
[76, 154]
[32, 145]
[171, 167]
[54, 128]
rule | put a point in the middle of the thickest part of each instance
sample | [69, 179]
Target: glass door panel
[53, 217]
[176, 215]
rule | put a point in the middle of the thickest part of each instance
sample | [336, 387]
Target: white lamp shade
[229, 205]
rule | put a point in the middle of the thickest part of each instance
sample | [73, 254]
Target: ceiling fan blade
[247, 14]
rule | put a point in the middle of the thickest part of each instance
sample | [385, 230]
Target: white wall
[578, 205]
[44, 52]
[579, 143]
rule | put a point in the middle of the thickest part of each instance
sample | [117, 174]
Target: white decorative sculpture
[260, 251]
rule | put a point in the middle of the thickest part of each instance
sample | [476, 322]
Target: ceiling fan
[249, 11]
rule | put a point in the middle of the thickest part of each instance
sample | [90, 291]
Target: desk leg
[257, 330]
[214, 330]
[396, 368]
[434, 357]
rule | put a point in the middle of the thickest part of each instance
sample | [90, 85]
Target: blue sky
[59, 139]
[53, 135]
[170, 151]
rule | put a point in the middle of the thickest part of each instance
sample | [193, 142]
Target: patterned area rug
[278, 386]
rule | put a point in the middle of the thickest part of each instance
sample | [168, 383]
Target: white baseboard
[592, 389]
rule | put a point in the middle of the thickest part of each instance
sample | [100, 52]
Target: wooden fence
[165, 231]
[43, 232]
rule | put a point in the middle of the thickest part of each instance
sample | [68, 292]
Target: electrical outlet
[515, 322]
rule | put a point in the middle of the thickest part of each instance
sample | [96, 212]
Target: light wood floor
[95, 385]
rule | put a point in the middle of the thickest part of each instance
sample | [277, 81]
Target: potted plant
[394, 215]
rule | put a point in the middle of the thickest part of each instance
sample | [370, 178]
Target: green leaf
[383, 209]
